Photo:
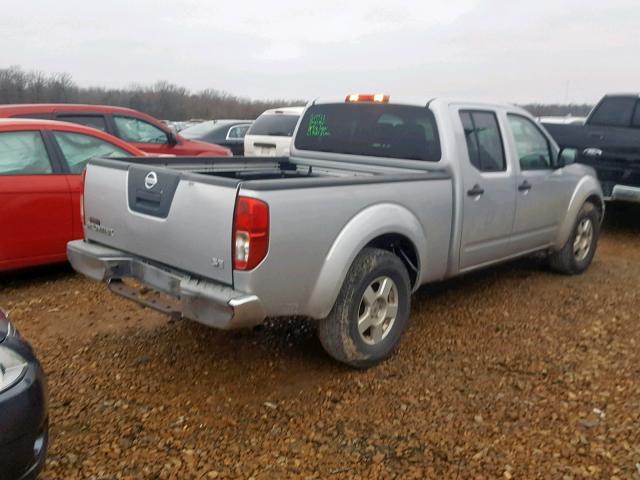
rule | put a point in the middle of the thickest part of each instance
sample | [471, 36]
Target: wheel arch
[587, 190]
[387, 226]
[598, 202]
[402, 247]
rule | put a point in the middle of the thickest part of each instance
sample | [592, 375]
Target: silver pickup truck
[376, 199]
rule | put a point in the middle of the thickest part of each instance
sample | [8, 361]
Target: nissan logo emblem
[150, 180]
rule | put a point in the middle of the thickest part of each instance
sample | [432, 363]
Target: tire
[572, 260]
[340, 332]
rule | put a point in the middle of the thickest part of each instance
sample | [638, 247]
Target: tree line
[162, 100]
[168, 101]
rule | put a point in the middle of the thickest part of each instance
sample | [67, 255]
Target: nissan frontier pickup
[377, 198]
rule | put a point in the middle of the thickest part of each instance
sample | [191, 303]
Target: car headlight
[12, 367]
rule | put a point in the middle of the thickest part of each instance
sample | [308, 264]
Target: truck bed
[186, 217]
[258, 168]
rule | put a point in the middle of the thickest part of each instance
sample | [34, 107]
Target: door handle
[524, 186]
[475, 191]
[597, 135]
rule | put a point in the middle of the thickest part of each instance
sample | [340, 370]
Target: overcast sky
[510, 50]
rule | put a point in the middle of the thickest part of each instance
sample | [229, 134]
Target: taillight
[84, 176]
[250, 233]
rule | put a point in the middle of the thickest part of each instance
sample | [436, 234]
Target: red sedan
[141, 130]
[41, 163]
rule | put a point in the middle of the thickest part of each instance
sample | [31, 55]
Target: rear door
[36, 204]
[489, 190]
[179, 219]
[75, 149]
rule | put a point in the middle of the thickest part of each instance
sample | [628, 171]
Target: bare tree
[166, 100]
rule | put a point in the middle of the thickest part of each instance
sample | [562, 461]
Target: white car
[270, 135]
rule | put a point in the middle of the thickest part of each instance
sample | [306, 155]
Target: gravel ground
[512, 372]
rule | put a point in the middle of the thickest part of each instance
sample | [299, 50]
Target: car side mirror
[592, 153]
[567, 156]
[172, 138]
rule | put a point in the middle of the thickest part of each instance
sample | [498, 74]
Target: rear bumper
[625, 193]
[204, 301]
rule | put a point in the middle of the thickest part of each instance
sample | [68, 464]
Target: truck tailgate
[163, 215]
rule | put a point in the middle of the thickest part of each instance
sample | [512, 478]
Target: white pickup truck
[376, 199]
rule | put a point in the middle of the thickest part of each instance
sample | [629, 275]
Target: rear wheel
[576, 255]
[371, 312]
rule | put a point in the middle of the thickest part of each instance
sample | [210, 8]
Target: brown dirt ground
[513, 372]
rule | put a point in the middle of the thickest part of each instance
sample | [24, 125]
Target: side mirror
[567, 156]
[593, 153]
[172, 139]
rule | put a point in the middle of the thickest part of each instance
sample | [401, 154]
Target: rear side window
[614, 112]
[484, 141]
[392, 131]
[274, 125]
[93, 121]
[135, 130]
[77, 149]
[238, 132]
[23, 153]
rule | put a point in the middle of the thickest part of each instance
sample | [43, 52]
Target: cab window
[388, 131]
[77, 149]
[135, 130]
[23, 153]
[484, 141]
[614, 112]
[93, 121]
[533, 147]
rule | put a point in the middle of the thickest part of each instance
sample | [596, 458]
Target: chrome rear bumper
[204, 301]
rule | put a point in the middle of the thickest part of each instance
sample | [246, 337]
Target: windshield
[275, 125]
[393, 131]
[204, 129]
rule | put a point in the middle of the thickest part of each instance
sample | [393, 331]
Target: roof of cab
[630, 94]
[425, 101]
